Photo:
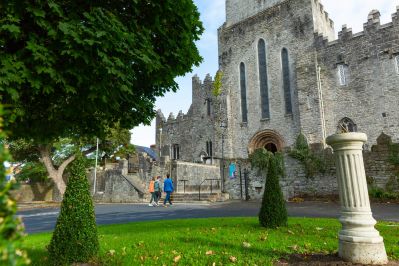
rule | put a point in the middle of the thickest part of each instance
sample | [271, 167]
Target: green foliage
[11, 229]
[303, 153]
[273, 212]
[381, 194]
[217, 84]
[394, 154]
[75, 236]
[33, 172]
[73, 67]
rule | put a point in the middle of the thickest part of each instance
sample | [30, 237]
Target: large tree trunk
[56, 174]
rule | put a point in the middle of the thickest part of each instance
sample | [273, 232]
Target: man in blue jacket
[168, 189]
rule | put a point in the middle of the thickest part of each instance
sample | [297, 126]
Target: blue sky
[351, 12]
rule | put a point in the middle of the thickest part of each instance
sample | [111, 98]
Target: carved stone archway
[268, 139]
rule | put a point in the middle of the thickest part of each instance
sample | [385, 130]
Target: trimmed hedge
[75, 236]
[273, 212]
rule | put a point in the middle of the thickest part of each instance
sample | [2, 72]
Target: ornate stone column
[359, 241]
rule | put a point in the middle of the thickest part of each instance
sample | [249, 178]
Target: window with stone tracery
[397, 64]
[346, 125]
[343, 74]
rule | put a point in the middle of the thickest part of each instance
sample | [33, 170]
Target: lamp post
[223, 126]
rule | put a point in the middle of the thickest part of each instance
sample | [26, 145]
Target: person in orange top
[151, 190]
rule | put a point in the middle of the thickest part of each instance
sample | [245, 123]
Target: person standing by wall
[168, 188]
[157, 189]
[151, 190]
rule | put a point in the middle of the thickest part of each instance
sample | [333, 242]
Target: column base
[364, 253]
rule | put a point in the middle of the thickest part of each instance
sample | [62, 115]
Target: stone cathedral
[285, 73]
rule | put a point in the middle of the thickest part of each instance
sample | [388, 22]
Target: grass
[223, 241]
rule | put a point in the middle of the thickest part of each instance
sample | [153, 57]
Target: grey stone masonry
[350, 83]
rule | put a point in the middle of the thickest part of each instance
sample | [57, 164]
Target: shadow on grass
[39, 257]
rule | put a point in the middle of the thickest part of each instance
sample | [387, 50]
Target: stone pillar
[359, 241]
[124, 166]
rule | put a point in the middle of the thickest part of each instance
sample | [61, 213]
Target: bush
[273, 212]
[11, 229]
[75, 236]
[303, 153]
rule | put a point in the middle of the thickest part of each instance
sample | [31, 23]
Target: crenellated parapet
[371, 29]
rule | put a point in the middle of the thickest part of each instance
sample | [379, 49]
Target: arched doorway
[268, 139]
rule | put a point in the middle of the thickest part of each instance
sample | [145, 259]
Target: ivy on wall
[308, 159]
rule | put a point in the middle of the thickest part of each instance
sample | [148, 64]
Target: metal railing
[210, 179]
[184, 184]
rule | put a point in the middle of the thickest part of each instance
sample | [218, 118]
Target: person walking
[168, 189]
[157, 189]
[151, 190]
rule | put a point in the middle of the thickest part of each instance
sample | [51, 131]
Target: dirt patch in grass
[320, 259]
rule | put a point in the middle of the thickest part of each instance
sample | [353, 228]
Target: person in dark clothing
[168, 189]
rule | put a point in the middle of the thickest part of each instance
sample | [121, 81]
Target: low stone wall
[117, 188]
[378, 167]
[34, 192]
[195, 174]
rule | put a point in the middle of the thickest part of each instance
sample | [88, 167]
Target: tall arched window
[264, 90]
[243, 86]
[286, 80]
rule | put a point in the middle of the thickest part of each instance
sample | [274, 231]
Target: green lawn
[223, 241]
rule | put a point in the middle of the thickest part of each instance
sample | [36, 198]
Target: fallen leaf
[175, 252]
[111, 252]
[177, 258]
[290, 232]
[233, 259]
[294, 247]
[319, 228]
[263, 238]
[209, 252]
[246, 244]
[123, 251]
[214, 264]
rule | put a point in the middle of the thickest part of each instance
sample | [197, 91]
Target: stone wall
[193, 130]
[377, 163]
[117, 189]
[371, 94]
[34, 192]
[195, 174]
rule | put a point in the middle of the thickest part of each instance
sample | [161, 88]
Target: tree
[73, 68]
[273, 212]
[57, 155]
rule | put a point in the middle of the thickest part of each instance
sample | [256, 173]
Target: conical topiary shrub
[273, 212]
[75, 236]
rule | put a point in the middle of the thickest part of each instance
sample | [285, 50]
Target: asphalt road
[43, 219]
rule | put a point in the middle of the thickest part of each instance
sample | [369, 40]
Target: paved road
[43, 219]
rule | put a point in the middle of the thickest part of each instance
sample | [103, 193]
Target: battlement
[372, 26]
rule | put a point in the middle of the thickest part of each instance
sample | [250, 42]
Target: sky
[353, 13]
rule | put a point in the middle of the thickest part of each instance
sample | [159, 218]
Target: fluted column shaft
[359, 241]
